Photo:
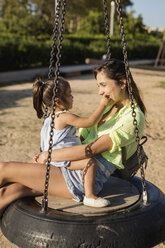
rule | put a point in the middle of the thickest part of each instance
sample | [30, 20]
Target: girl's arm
[74, 120]
[79, 152]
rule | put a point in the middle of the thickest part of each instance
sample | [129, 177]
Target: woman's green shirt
[120, 128]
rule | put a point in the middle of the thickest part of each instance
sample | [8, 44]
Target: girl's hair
[43, 93]
[115, 70]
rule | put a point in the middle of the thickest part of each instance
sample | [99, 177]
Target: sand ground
[20, 128]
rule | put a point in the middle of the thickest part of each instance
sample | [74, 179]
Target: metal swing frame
[58, 37]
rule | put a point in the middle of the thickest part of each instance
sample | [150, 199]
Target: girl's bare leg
[89, 173]
[33, 177]
[13, 191]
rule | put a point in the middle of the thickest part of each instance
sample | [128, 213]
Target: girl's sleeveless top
[61, 138]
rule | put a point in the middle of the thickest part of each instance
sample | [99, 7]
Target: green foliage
[36, 25]
[18, 19]
[45, 8]
[26, 28]
[134, 25]
[81, 8]
[23, 52]
[36, 17]
[30, 25]
[17, 52]
[92, 24]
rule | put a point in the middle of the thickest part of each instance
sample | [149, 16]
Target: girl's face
[68, 99]
[109, 87]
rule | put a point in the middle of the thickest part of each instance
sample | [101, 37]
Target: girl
[65, 125]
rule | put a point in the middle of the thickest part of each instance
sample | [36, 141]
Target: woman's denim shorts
[73, 178]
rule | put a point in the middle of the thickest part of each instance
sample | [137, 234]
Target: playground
[104, 194]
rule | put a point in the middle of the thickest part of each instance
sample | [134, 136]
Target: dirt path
[20, 129]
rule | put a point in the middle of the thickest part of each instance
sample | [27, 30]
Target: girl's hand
[105, 100]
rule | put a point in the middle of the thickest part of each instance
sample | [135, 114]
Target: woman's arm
[84, 122]
[79, 152]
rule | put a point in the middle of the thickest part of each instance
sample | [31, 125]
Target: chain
[108, 56]
[53, 47]
[55, 89]
[55, 36]
[128, 77]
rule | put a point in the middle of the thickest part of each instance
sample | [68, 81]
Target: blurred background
[26, 31]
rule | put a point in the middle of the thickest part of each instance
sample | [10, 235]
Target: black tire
[140, 227]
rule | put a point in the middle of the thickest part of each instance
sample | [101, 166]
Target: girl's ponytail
[38, 97]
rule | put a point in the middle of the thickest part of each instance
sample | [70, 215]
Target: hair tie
[42, 84]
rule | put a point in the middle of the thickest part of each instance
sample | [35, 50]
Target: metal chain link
[55, 36]
[53, 47]
[55, 89]
[108, 56]
[128, 77]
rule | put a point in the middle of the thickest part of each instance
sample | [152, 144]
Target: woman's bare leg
[33, 177]
[89, 173]
[13, 191]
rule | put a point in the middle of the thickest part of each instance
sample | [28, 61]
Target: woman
[106, 139]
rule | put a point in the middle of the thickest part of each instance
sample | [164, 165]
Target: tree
[46, 8]
[35, 17]
[76, 12]
[18, 18]
[93, 23]
[132, 25]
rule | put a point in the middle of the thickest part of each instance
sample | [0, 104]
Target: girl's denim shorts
[73, 178]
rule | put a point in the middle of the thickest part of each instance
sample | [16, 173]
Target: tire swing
[136, 218]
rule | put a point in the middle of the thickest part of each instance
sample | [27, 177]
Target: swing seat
[121, 194]
[126, 223]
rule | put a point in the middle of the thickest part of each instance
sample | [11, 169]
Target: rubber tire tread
[144, 227]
